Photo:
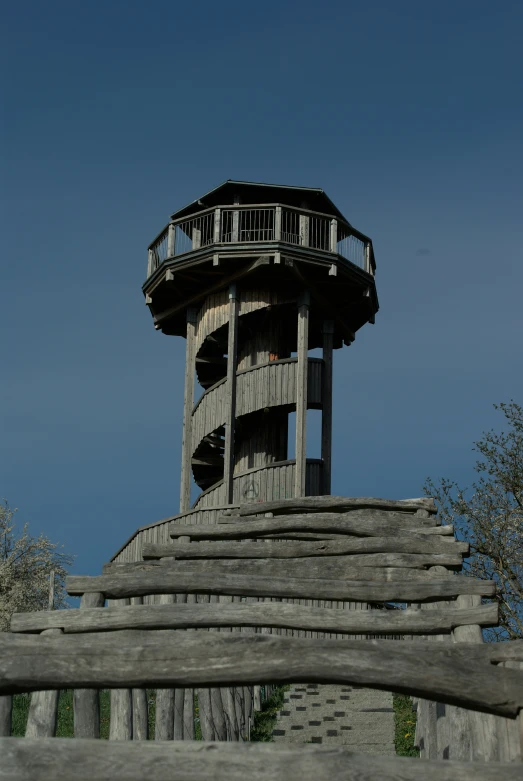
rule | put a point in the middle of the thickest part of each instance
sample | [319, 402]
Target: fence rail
[244, 224]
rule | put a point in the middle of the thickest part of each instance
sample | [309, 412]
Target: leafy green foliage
[265, 719]
[404, 726]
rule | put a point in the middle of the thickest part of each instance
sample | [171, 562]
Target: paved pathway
[337, 715]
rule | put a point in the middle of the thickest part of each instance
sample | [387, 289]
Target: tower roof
[312, 198]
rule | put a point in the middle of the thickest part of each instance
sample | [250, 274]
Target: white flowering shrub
[25, 565]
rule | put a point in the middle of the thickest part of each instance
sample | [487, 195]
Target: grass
[265, 719]
[404, 726]
[65, 722]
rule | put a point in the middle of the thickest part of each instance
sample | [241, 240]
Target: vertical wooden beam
[230, 397]
[121, 722]
[171, 233]
[140, 706]
[51, 589]
[334, 235]
[188, 401]
[165, 711]
[217, 226]
[150, 262]
[326, 417]
[6, 713]
[301, 394]
[86, 702]
[277, 223]
[43, 711]
[304, 230]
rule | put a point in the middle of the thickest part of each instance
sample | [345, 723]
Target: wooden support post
[150, 262]
[304, 230]
[301, 394]
[121, 723]
[230, 399]
[51, 589]
[235, 226]
[171, 234]
[368, 264]
[217, 226]
[277, 223]
[140, 707]
[43, 711]
[197, 235]
[165, 710]
[334, 236]
[326, 417]
[190, 368]
[86, 702]
[6, 713]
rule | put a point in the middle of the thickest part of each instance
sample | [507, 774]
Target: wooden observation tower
[254, 276]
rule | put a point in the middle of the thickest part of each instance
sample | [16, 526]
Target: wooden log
[230, 392]
[43, 710]
[302, 347]
[414, 543]
[205, 714]
[171, 581]
[365, 523]
[140, 705]
[480, 728]
[121, 721]
[43, 760]
[165, 709]
[6, 712]
[190, 616]
[386, 566]
[86, 702]
[439, 531]
[336, 504]
[466, 675]
[190, 356]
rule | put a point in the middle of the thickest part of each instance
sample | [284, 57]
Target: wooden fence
[255, 600]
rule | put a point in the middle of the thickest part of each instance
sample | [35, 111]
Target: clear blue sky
[114, 114]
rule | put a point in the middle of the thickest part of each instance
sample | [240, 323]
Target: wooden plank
[43, 710]
[379, 563]
[413, 543]
[467, 675]
[171, 581]
[42, 760]
[339, 504]
[188, 401]
[407, 520]
[180, 616]
[86, 702]
[358, 524]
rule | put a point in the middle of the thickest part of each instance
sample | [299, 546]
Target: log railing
[312, 549]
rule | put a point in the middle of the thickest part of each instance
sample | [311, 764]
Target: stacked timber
[227, 599]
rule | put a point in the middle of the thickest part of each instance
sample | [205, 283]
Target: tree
[25, 565]
[490, 516]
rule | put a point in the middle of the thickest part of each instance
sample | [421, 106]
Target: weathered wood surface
[357, 523]
[6, 711]
[229, 549]
[261, 614]
[86, 702]
[467, 675]
[43, 710]
[167, 581]
[43, 760]
[121, 720]
[300, 567]
[307, 504]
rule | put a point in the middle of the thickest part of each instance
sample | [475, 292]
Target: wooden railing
[317, 548]
[261, 224]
